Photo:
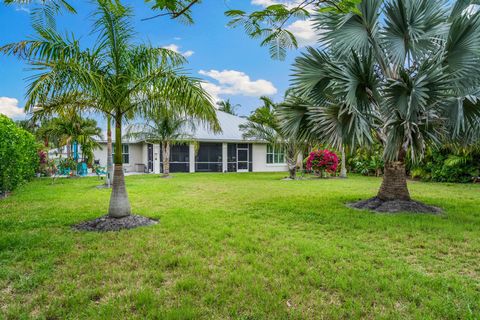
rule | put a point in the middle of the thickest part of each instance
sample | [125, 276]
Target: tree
[165, 127]
[123, 76]
[270, 25]
[228, 107]
[265, 114]
[73, 129]
[264, 125]
[398, 72]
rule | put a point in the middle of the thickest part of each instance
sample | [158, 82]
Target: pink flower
[322, 160]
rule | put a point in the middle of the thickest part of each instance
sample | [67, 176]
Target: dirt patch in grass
[107, 223]
[394, 206]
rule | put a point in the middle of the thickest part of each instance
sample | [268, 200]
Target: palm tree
[123, 76]
[265, 114]
[68, 130]
[165, 127]
[398, 71]
[264, 125]
[228, 107]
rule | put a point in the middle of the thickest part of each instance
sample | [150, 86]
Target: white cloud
[232, 82]
[263, 3]
[188, 53]
[304, 32]
[9, 107]
[177, 38]
[176, 49]
[213, 90]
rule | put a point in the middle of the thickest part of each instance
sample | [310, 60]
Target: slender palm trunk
[291, 158]
[119, 204]
[394, 185]
[166, 158]
[343, 169]
[109, 153]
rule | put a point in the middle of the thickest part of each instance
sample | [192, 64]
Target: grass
[239, 246]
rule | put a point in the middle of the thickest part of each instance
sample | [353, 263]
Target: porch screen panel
[179, 158]
[209, 158]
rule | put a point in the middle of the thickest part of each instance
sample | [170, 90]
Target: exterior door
[150, 157]
[242, 159]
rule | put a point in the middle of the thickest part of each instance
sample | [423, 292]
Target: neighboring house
[227, 151]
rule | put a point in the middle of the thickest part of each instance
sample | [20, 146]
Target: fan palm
[398, 71]
[164, 127]
[123, 76]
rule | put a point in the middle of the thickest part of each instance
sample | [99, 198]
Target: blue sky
[233, 65]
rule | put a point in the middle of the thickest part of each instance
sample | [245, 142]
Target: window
[275, 154]
[125, 153]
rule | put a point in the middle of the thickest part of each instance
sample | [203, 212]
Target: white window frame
[275, 152]
[123, 152]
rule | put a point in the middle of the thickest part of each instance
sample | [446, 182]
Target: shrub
[18, 155]
[321, 161]
[445, 165]
[367, 161]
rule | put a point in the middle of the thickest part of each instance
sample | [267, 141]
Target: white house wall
[101, 154]
[139, 155]
[259, 160]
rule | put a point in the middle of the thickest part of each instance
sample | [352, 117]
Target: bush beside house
[18, 155]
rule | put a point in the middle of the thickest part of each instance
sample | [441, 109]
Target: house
[226, 151]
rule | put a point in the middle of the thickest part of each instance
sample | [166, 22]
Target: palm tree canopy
[163, 126]
[228, 107]
[398, 71]
[123, 76]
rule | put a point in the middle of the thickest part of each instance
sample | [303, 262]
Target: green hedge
[18, 155]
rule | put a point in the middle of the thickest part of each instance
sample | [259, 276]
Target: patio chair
[100, 172]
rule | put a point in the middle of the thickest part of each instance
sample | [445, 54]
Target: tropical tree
[165, 127]
[122, 74]
[228, 107]
[399, 72]
[264, 125]
[69, 130]
[265, 114]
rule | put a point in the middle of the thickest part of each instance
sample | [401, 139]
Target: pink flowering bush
[321, 161]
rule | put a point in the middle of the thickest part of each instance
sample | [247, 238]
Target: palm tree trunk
[166, 158]
[109, 152]
[394, 185]
[343, 169]
[119, 204]
[291, 158]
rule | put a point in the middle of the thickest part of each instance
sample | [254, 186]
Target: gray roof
[229, 124]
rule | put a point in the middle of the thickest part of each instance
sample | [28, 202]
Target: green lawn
[239, 246]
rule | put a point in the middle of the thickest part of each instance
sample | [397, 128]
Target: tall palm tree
[228, 107]
[164, 127]
[398, 71]
[123, 76]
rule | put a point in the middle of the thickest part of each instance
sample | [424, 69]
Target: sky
[232, 65]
